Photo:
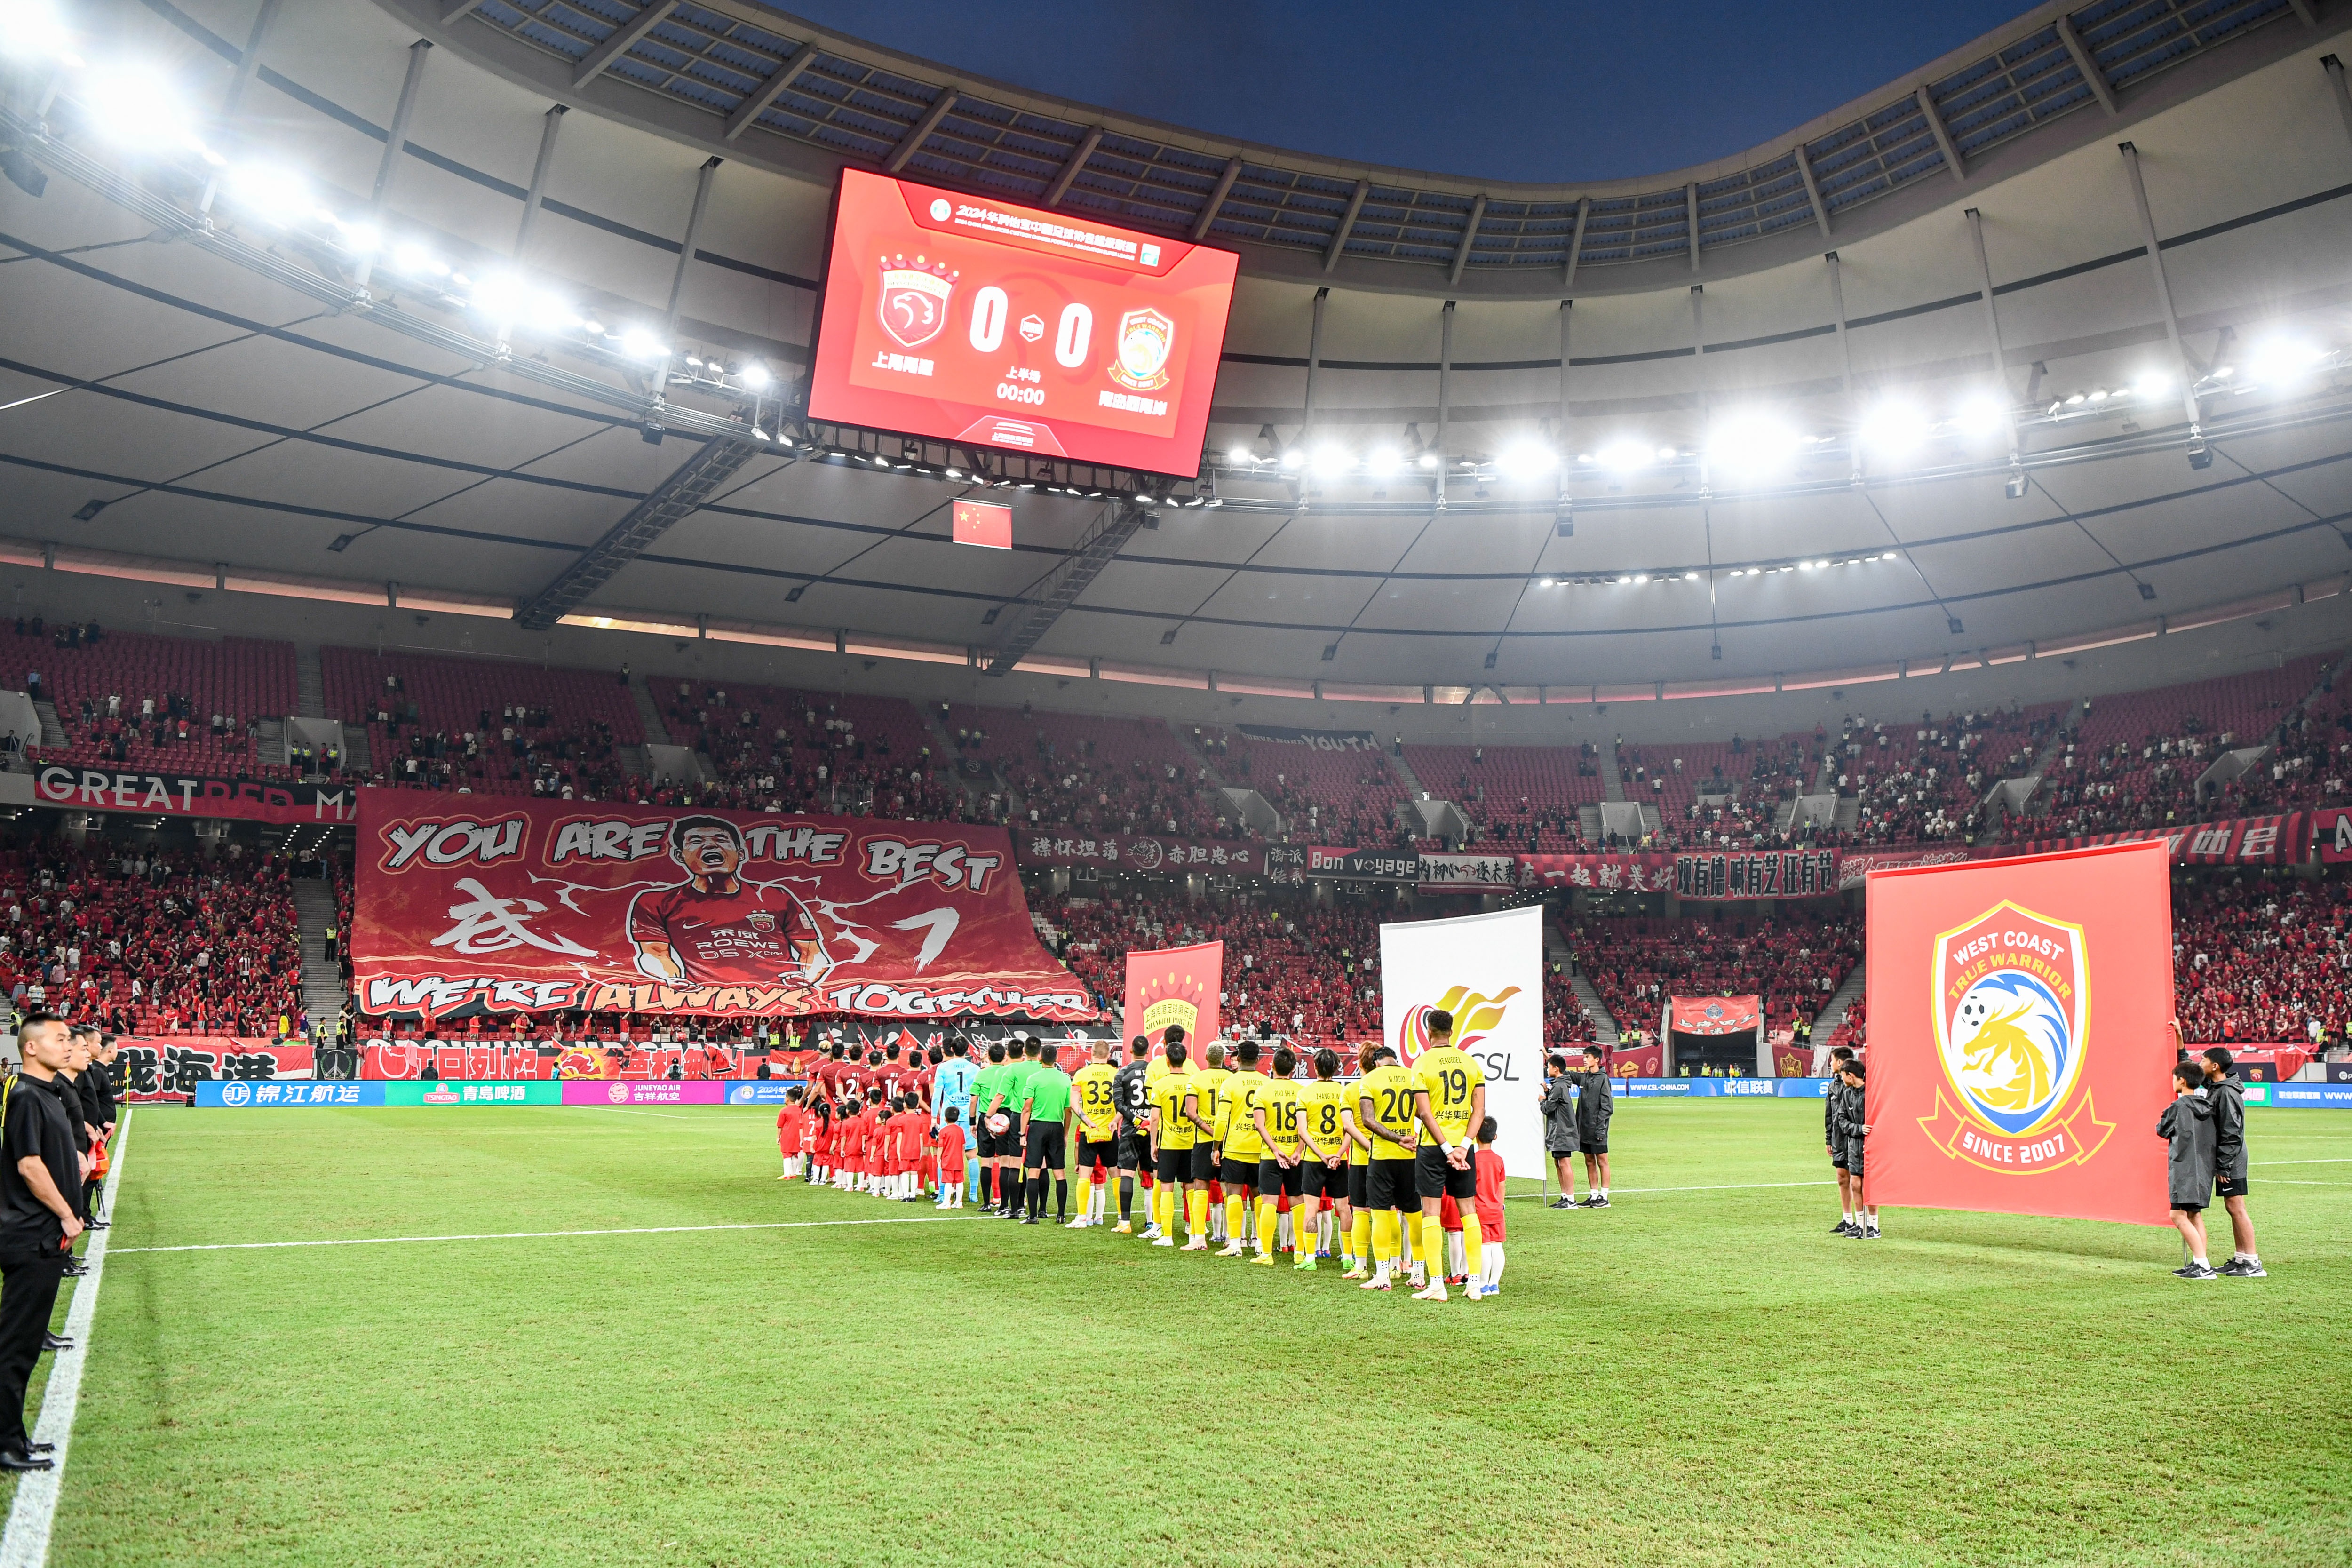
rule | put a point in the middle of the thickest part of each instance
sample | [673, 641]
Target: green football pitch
[687, 1361]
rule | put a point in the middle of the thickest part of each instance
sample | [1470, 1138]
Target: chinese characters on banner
[1764, 874]
[1468, 873]
[155, 1066]
[532, 905]
[1151, 854]
[2018, 1047]
[2279, 840]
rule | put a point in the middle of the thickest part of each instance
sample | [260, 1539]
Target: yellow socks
[1384, 1237]
[1360, 1238]
[1232, 1218]
[1196, 1215]
[1472, 1241]
[1269, 1223]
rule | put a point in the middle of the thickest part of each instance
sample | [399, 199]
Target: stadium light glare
[1293, 458]
[141, 109]
[1895, 429]
[2152, 384]
[1241, 457]
[1381, 461]
[1983, 415]
[361, 239]
[1526, 459]
[271, 194]
[36, 32]
[418, 262]
[2282, 361]
[1430, 460]
[1751, 444]
[1329, 462]
[639, 344]
[756, 376]
[1625, 457]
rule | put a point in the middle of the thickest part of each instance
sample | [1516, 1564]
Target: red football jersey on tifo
[740, 938]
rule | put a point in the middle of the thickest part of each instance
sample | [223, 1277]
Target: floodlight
[1430, 460]
[2282, 362]
[1751, 444]
[1624, 457]
[1526, 459]
[2154, 384]
[140, 108]
[417, 261]
[361, 239]
[756, 376]
[1982, 414]
[1241, 457]
[1381, 461]
[38, 33]
[499, 295]
[1292, 457]
[1329, 462]
[1895, 429]
[271, 194]
[639, 344]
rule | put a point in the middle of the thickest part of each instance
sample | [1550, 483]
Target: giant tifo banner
[2279, 840]
[178, 794]
[1714, 1014]
[1145, 852]
[1179, 985]
[2019, 1035]
[534, 905]
[1487, 971]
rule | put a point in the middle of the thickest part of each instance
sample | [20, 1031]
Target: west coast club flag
[1176, 986]
[2020, 1035]
[1487, 971]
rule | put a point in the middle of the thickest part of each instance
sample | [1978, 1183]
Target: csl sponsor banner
[1175, 985]
[243, 1095]
[2019, 1036]
[474, 1094]
[1469, 873]
[538, 905]
[624, 1092]
[767, 1091]
[1305, 861]
[1313, 740]
[1148, 853]
[178, 794]
[173, 1065]
[1487, 971]
[2280, 840]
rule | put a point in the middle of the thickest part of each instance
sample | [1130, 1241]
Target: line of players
[1388, 1161]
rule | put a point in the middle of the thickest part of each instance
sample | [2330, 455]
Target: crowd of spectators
[1795, 962]
[1093, 774]
[150, 943]
[775, 748]
[1344, 797]
[481, 726]
[137, 700]
[2262, 957]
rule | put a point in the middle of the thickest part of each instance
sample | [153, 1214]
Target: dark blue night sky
[1564, 91]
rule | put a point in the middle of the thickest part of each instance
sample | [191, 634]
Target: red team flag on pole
[2020, 1035]
[1176, 986]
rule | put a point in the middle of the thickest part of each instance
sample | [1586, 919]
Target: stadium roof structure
[500, 309]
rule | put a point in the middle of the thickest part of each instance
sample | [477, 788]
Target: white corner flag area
[1487, 971]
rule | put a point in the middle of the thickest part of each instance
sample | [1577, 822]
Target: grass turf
[1701, 1374]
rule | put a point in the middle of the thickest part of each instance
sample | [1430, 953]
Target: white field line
[533, 1235]
[26, 1543]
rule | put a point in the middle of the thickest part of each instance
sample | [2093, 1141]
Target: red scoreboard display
[965, 319]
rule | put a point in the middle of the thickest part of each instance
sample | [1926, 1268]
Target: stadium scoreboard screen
[966, 320]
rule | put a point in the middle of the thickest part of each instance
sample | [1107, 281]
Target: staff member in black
[94, 1079]
[68, 1085]
[37, 1222]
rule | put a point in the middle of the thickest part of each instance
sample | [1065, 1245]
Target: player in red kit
[789, 1123]
[714, 927]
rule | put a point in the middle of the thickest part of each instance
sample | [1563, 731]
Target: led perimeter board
[965, 319]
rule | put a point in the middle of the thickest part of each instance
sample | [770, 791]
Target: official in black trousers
[67, 1087]
[39, 1177]
[94, 1081]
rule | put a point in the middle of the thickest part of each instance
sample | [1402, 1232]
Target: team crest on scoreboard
[2012, 1010]
[913, 306]
[1146, 338]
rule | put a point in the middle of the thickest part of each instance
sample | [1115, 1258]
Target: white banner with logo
[1487, 971]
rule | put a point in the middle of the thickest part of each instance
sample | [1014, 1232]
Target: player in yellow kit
[1239, 1145]
[1097, 1113]
[1384, 1109]
[1356, 1247]
[1450, 1100]
[1181, 1143]
[1212, 1076]
[1324, 1147]
[1274, 1117]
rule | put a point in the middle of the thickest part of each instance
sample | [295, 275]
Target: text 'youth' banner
[1180, 986]
[540, 905]
[2019, 1035]
[1487, 971]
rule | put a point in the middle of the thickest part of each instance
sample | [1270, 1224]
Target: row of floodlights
[1637, 579]
[142, 109]
[974, 477]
